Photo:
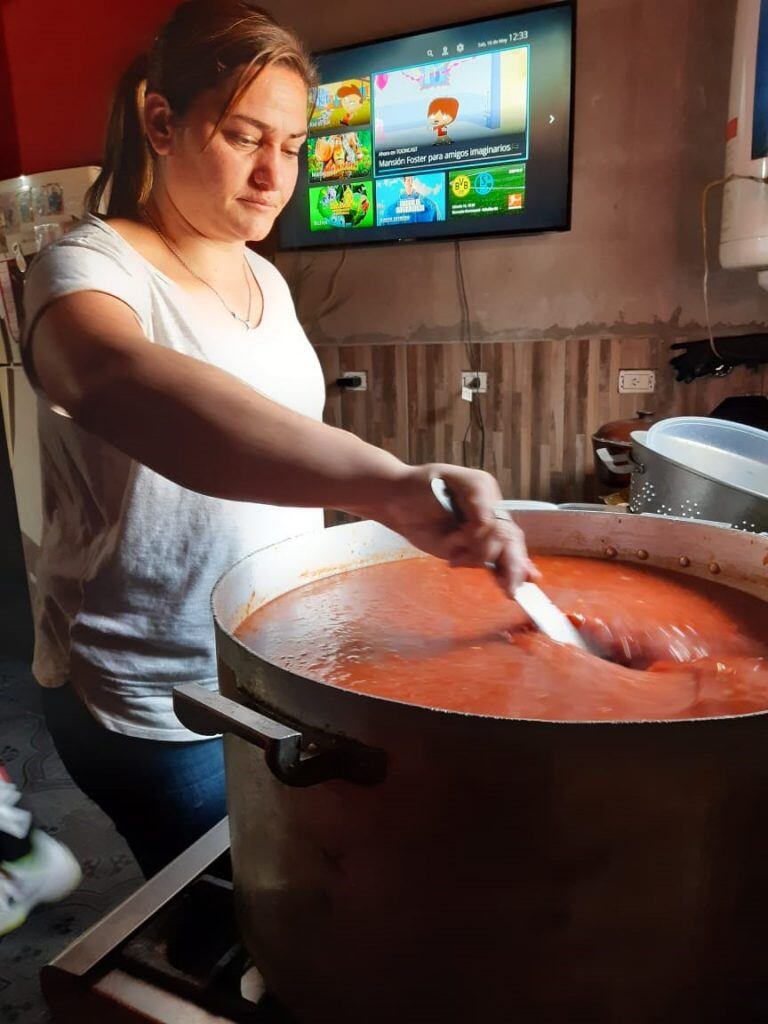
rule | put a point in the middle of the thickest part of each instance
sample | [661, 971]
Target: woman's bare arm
[208, 431]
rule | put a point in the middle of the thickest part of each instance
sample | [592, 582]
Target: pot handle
[290, 759]
[622, 466]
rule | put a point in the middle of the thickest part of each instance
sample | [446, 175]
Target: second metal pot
[612, 443]
[660, 485]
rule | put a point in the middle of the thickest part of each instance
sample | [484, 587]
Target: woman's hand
[413, 511]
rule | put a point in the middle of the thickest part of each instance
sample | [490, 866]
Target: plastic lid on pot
[732, 453]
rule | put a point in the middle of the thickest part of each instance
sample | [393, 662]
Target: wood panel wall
[545, 399]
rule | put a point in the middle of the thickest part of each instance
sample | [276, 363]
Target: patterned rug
[110, 873]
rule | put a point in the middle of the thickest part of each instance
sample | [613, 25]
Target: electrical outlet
[637, 382]
[351, 375]
[475, 381]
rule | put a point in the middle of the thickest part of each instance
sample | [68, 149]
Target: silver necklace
[244, 320]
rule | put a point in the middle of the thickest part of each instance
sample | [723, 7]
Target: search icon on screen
[430, 53]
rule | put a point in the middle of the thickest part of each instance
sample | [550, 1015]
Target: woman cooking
[180, 425]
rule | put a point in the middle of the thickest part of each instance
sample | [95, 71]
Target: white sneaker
[48, 873]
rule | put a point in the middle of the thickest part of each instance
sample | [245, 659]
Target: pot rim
[605, 441]
[641, 417]
[420, 710]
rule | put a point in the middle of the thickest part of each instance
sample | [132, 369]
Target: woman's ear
[159, 123]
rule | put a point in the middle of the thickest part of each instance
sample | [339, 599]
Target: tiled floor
[109, 870]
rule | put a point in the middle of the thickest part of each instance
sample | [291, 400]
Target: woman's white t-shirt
[128, 559]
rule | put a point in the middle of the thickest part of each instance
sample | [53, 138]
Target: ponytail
[126, 175]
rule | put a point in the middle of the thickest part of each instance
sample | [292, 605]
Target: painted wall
[652, 81]
[558, 315]
[652, 85]
[9, 142]
[60, 66]
[652, 88]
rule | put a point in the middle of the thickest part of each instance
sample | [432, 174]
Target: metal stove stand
[170, 954]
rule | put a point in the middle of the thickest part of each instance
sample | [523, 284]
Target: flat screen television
[460, 131]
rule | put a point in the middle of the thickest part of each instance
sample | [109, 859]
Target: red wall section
[9, 140]
[63, 62]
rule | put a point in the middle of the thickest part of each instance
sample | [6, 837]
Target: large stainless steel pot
[398, 864]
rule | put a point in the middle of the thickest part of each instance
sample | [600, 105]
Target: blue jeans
[161, 795]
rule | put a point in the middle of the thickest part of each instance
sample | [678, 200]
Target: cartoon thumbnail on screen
[486, 191]
[344, 104]
[348, 205]
[464, 110]
[412, 199]
[346, 155]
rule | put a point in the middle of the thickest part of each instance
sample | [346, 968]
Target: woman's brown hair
[203, 42]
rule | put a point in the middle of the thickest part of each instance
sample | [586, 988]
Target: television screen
[458, 131]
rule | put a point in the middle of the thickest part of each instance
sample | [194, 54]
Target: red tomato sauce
[420, 632]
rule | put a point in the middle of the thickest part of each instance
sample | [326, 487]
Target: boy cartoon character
[351, 99]
[440, 114]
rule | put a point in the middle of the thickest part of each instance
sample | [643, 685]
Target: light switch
[637, 382]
